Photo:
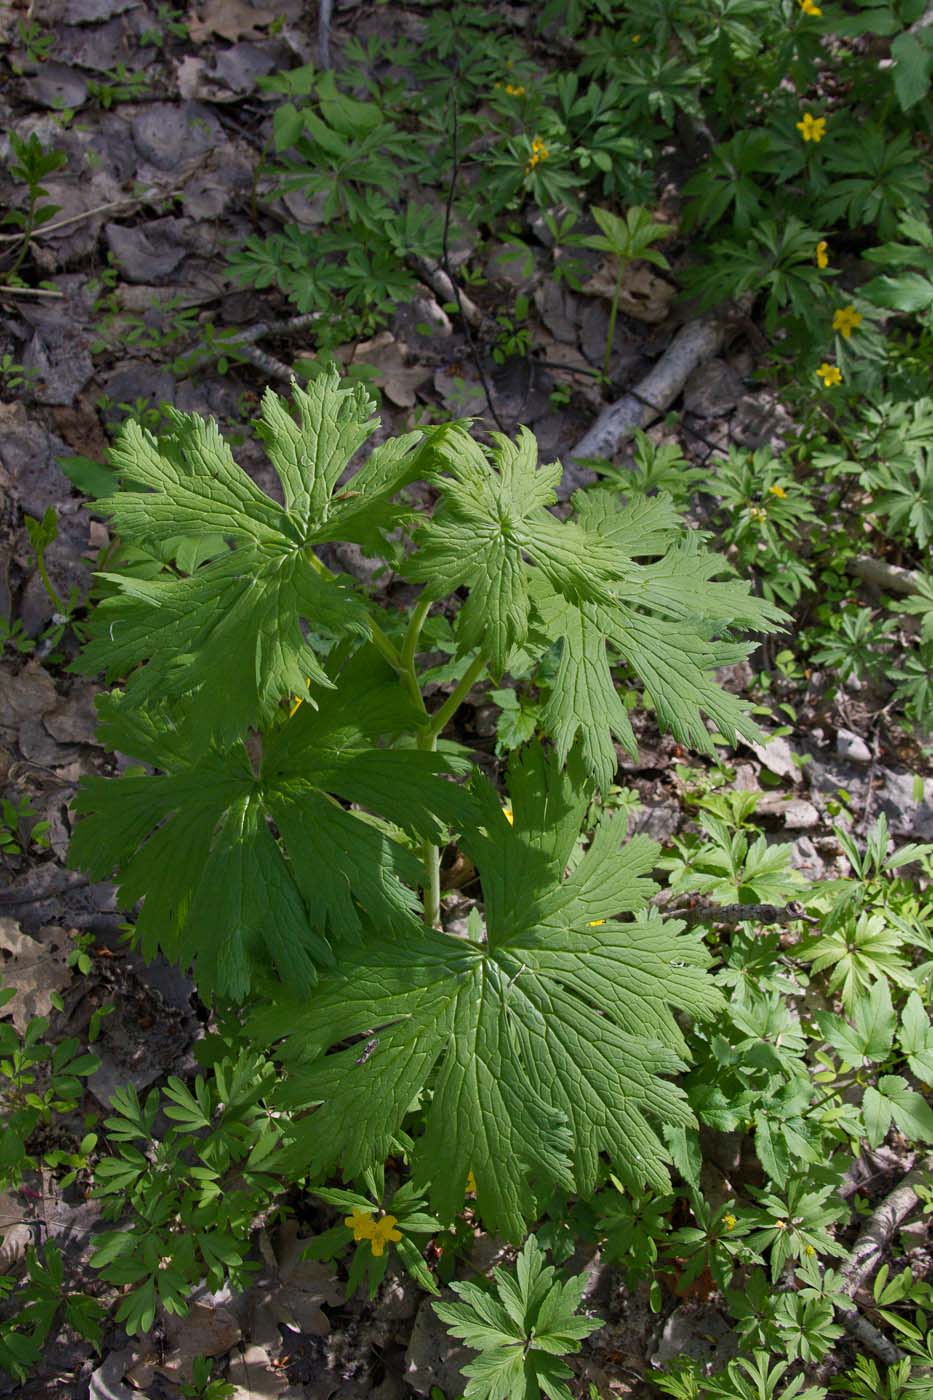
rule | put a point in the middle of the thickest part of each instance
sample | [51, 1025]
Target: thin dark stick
[741, 914]
[445, 256]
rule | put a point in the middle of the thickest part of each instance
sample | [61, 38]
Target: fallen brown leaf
[229, 19]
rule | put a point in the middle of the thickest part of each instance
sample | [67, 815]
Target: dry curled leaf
[396, 380]
[294, 1297]
[252, 1376]
[229, 19]
[203, 1331]
[644, 295]
[34, 967]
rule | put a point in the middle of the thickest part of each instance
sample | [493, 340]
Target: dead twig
[32, 292]
[888, 577]
[109, 208]
[325, 8]
[706, 913]
[865, 1258]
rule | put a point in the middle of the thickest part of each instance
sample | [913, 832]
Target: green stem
[427, 742]
[613, 313]
[383, 644]
[441, 717]
[11, 273]
[431, 854]
[47, 582]
[410, 649]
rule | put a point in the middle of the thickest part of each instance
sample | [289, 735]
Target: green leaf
[546, 1044]
[493, 516]
[194, 840]
[661, 618]
[908, 291]
[234, 627]
[916, 1038]
[913, 62]
[910, 1110]
[520, 1333]
[873, 1030]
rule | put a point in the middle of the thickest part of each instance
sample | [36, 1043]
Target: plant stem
[431, 854]
[410, 647]
[27, 234]
[47, 582]
[427, 742]
[613, 313]
[471, 675]
[383, 644]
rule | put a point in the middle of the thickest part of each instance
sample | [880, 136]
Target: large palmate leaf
[234, 633]
[544, 1044]
[196, 839]
[664, 619]
[493, 531]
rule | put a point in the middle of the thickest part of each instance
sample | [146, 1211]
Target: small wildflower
[757, 513]
[830, 375]
[539, 152]
[778, 491]
[361, 1223]
[471, 1184]
[780, 1224]
[812, 128]
[509, 815]
[810, 7]
[822, 256]
[808, 1249]
[384, 1233]
[845, 320]
[515, 90]
[729, 1221]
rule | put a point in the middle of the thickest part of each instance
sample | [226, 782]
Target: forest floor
[156, 188]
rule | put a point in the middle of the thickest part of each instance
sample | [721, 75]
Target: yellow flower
[778, 491]
[845, 320]
[515, 90]
[808, 1249]
[539, 152]
[361, 1223]
[757, 513]
[509, 816]
[822, 258]
[729, 1221]
[383, 1233]
[471, 1184]
[812, 128]
[780, 1224]
[810, 7]
[830, 375]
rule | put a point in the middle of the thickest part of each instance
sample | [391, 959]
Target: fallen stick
[31, 292]
[442, 285]
[889, 577]
[693, 344]
[740, 914]
[865, 1258]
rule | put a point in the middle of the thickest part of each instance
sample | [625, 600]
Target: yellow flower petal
[822, 259]
[846, 319]
[362, 1224]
